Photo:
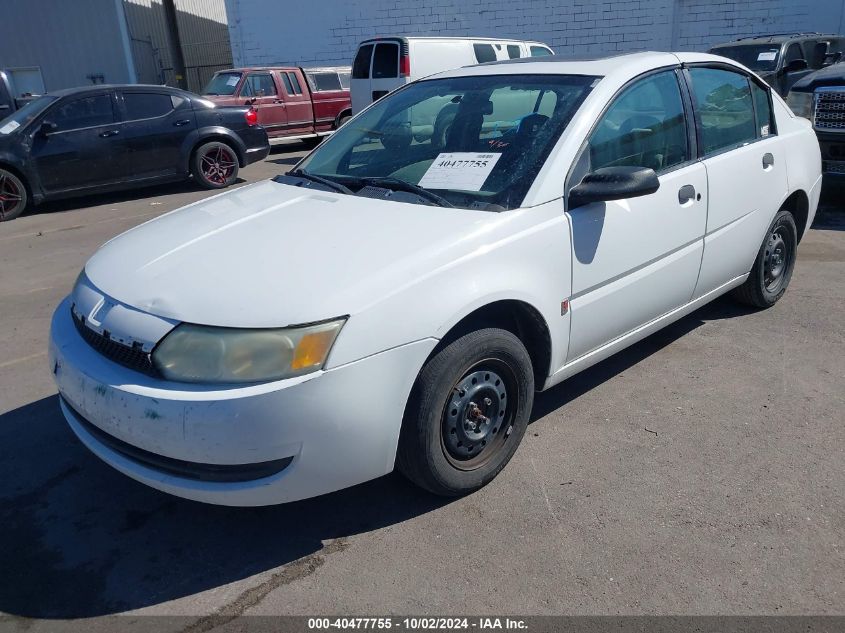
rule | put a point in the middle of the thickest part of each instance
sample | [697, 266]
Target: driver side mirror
[47, 127]
[796, 65]
[613, 183]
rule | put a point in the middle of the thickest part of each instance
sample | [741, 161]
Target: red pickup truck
[291, 102]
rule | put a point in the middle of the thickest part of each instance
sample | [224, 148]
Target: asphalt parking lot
[698, 472]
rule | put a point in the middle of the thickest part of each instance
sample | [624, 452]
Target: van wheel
[13, 197]
[467, 413]
[773, 267]
[214, 165]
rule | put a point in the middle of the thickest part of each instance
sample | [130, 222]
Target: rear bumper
[256, 143]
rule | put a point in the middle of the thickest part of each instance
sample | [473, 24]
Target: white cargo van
[383, 64]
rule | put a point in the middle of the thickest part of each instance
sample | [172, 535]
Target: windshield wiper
[398, 184]
[336, 186]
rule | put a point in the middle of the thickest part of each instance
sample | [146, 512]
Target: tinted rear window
[540, 51]
[146, 105]
[484, 53]
[361, 65]
[513, 51]
[386, 61]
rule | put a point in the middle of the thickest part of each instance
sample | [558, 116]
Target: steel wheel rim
[478, 417]
[217, 165]
[777, 260]
[10, 196]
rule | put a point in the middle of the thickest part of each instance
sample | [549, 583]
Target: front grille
[131, 357]
[830, 109]
[221, 473]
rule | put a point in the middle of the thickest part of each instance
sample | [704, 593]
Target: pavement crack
[252, 596]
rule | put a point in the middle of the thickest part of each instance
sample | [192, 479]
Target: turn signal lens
[312, 350]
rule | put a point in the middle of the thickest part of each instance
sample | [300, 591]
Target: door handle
[768, 160]
[109, 133]
[182, 122]
[686, 194]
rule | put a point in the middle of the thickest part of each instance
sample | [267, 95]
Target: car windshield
[757, 57]
[22, 117]
[222, 84]
[474, 141]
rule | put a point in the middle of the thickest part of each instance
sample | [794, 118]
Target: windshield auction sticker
[10, 127]
[465, 171]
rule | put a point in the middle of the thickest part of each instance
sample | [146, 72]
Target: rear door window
[361, 65]
[484, 53]
[294, 82]
[513, 51]
[146, 105]
[725, 109]
[386, 61]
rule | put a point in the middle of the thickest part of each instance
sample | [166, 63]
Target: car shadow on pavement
[79, 539]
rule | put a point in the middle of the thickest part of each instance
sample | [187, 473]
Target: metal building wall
[203, 30]
[72, 43]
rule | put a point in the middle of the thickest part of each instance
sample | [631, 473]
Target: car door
[361, 90]
[79, 152]
[636, 259]
[746, 168]
[156, 125]
[298, 100]
[259, 89]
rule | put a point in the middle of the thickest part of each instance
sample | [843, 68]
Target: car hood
[270, 255]
[833, 75]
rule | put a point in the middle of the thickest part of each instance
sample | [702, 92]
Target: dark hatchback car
[783, 59]
[104, 138]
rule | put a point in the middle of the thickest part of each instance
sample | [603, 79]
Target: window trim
[692, 157]
[749, 78]
[294, 83]
[70, 99]
[122, 103]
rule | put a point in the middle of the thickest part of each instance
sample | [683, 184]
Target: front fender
[525, 256]
[210, 133]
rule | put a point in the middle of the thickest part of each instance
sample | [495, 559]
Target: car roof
[125, 87]
[450, 38]
[623, 64]
[776, 38]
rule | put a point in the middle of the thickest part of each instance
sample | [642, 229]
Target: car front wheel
[773, 267]
[214, 165]
[13, 198]
[468, 412]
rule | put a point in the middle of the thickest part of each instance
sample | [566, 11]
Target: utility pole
[175, 44]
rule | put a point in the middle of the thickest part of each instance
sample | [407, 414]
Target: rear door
[259, 89]
[82, 152]
[746, 168]
[156, 125]
[300, 111]
[361, 91]
[384, 76]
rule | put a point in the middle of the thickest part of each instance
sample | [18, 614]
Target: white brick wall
[328, 31]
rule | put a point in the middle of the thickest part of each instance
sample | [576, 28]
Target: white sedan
[398, 297]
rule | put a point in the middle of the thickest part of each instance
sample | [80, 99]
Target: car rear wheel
[773, 267]
[468, 412]
[214, 165]
[13, 198]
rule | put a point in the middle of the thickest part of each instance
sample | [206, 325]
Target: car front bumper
[249, 445]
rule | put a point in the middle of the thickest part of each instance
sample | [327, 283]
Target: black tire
[214, 165]
[773, 267]
[13, 196]
[442, 413]
[342, 120]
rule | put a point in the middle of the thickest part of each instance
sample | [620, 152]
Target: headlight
[801, 103]
[197, 353]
